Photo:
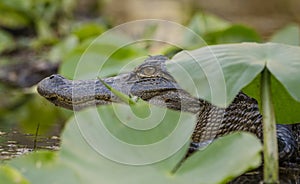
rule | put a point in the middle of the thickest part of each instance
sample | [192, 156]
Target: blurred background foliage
[40, 37]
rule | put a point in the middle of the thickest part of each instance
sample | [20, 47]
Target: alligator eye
[148, 71]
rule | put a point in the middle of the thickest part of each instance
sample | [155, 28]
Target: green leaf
[100, 57]
[288, 35]
[138, 106]
[218, 73]
[125, 98]
[200, 25]
[94, 167]
[286, 108]
[58, 52]
[17, 5]
[233, 34]
[82, 160]
[84, 136]
[86, 30]
[14, 20]
[223, 160]
[206, 23]
[45, 167]
[6, 41]
[169, 129]
[9, 175]
[45, 34]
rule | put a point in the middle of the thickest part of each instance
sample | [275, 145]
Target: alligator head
[149, 81]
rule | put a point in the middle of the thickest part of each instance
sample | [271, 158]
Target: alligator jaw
[79, 94]
[73, 95]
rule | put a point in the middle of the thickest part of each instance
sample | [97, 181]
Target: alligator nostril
[51, 77]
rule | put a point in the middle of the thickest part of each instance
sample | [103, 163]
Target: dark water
[27, 124]
[13, 143]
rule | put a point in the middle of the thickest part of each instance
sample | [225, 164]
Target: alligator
[151, 82]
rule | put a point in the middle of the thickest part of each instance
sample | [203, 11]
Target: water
[14, 143]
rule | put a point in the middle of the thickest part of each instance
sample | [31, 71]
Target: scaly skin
[151, 82]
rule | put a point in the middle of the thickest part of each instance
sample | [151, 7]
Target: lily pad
[9, 175]
[203, 165]
[45, 167]
[218, 73]
[81, 161]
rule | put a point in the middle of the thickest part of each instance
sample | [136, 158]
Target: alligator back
[241, 115]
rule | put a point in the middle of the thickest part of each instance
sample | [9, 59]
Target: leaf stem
[125, 98]
[269, 130]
